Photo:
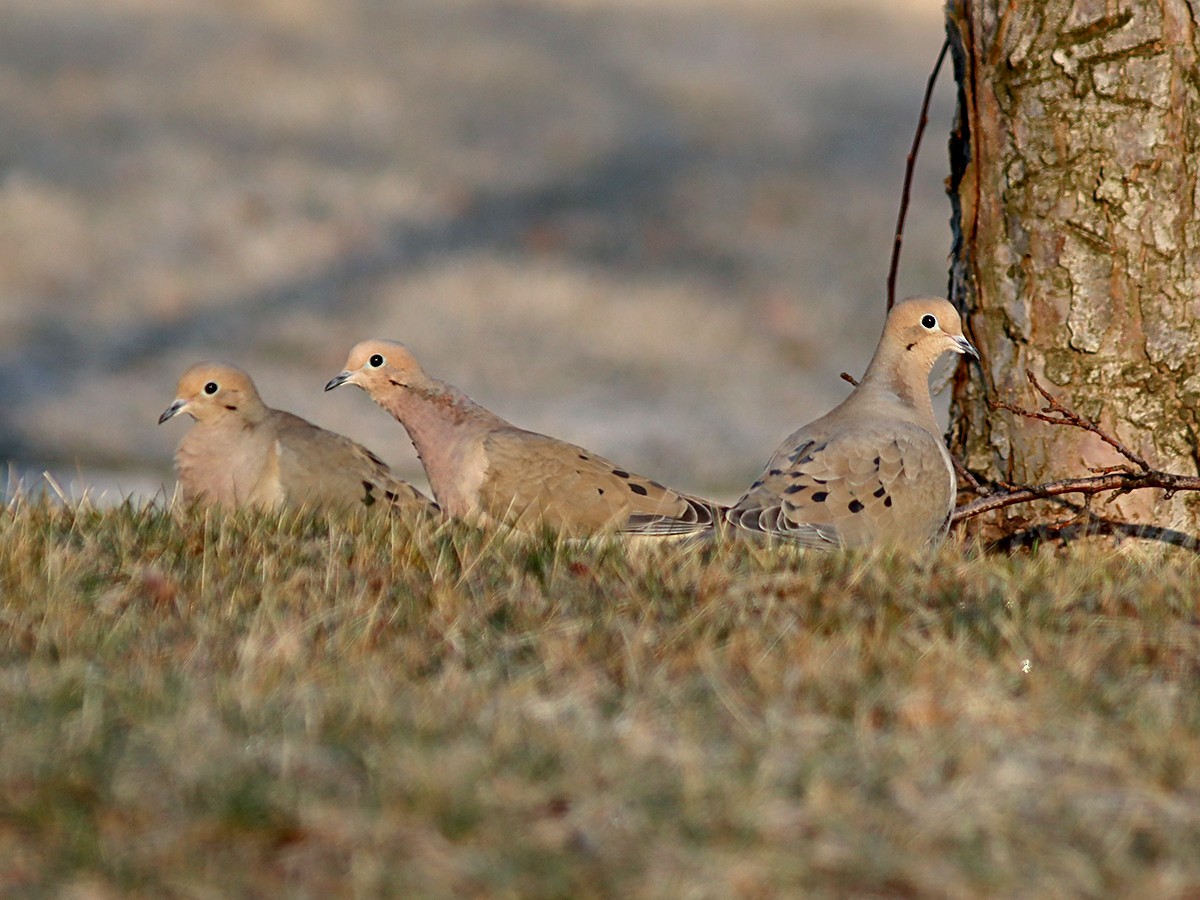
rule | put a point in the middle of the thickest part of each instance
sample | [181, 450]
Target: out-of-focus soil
[658, 229]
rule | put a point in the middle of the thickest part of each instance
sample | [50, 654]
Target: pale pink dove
[875, 469]
[241, 452]
[483, 469]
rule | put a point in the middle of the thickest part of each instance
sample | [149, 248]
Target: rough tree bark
[1076, 218]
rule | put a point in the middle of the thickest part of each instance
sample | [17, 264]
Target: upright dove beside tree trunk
[1074, 164]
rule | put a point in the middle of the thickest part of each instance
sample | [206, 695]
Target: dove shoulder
[310, 464]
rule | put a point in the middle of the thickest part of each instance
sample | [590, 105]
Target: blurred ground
[659, 229]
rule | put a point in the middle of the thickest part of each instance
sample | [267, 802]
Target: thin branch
[973, 483]
[909, 166]
[1055, 413]
[1120, 482]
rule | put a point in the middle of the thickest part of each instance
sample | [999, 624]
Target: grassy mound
[296, 705]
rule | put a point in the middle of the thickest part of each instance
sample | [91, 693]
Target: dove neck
[899, 381]
[437, 416]
[246, 413]
[254, 410]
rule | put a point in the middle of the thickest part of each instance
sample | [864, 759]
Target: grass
[203, 706]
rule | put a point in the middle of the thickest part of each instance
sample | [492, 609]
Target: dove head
[209, 391]
[918, 331]
[921, 329]
[376, 364]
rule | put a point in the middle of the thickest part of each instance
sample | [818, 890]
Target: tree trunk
[1076, 251]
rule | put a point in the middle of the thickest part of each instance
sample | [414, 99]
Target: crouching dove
[874, 470]
[241, 452]
[484, 469]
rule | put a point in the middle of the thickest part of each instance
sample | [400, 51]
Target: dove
[874, 470]
[484, 469]
[241, 452]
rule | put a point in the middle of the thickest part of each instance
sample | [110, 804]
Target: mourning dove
[242, 452]
[874, 470]
[482, 468]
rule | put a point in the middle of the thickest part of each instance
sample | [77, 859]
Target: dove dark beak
[338, 380]
[962, 345]
[171, 410]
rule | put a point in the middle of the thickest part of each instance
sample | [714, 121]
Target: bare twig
[973, 483]
[1055, 413]
[1118, 479]
[909, 166]
[1120, 482]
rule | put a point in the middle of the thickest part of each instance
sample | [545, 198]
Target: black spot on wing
[879, 493]
[855, 506]
[368, 496]
[887, 501]
[795, 488]
[638, 489]
[620, 473]
[820, 496]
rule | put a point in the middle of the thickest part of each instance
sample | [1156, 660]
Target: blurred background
[657, 228]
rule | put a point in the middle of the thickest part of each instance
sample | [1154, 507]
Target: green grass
[204, 706]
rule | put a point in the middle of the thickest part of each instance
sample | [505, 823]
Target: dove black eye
[929, 321]
[375, 361]
[210, 388]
